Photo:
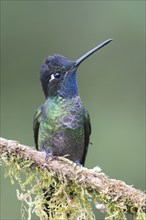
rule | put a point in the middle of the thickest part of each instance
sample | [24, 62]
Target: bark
[92, 180]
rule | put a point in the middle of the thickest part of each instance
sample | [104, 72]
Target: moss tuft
[41, 191]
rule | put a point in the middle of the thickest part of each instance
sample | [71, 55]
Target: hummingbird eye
[57, 75]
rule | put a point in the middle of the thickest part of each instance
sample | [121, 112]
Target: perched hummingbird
[62, 124]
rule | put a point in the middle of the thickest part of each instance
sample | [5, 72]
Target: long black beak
[89, 53]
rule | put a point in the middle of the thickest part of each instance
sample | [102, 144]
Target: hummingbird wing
[36, 124]
[87, 131]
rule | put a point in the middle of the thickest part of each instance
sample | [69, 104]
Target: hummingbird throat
[69, 86]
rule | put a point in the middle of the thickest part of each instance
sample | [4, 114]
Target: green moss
[66, 199]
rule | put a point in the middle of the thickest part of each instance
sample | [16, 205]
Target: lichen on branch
[71, 188]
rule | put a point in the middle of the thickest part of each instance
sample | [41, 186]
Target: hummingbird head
[58, 74]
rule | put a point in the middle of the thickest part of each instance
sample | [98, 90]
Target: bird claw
[48, 155]
[77, 164]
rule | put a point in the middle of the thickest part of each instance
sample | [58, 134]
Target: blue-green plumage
[62, 124]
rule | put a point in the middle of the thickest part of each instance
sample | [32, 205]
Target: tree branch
[93, 180]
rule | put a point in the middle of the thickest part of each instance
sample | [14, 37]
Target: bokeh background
[111, 82]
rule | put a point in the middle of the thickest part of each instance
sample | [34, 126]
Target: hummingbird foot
[48, 154]
[78, 165]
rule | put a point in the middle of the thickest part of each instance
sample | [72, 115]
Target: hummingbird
[62, 124]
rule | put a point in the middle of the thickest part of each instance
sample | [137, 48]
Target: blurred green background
[111, 82]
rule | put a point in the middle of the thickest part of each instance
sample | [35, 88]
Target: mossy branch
[109, 195]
